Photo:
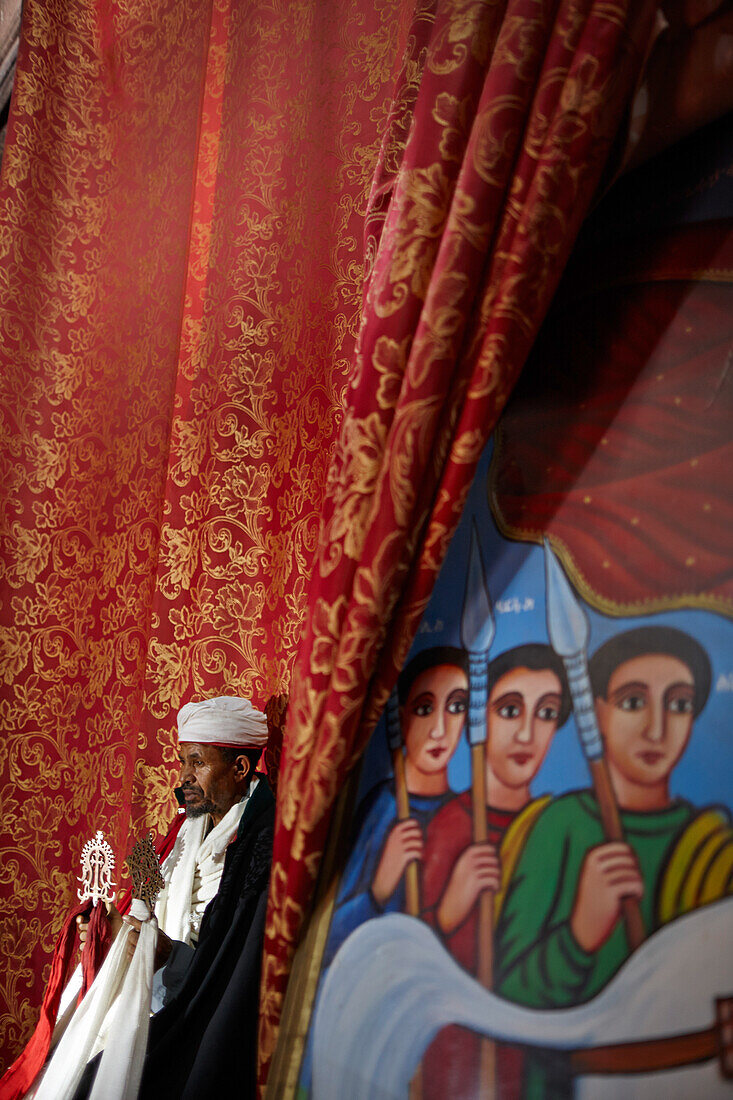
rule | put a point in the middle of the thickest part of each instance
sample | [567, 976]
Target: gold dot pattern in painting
[641, 463]
[169, 399]
[505, 139]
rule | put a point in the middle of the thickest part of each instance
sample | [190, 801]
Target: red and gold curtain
[183, 228]
[502, 121]
[181, 208]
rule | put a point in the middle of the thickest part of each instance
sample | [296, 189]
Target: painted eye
[680, 704]
[457, 706]
[548, 714]
[422, 710]
[632, 702]
[509, 710]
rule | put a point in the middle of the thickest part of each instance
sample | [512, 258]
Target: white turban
[225, 720]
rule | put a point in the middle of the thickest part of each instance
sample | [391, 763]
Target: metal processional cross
[147, 881]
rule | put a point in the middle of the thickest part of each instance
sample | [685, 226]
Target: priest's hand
[477, 869]
[114, 919]
[404, 843]
[82, 927]
[163, 945]
[610, 873]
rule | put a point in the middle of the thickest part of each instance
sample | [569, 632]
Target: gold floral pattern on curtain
[182, 196]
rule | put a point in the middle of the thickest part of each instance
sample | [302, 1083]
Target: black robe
[205, 1039]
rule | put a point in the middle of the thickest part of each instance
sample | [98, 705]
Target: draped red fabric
[95, 949]
[91, 266]
[181, 210]
[19, 1077]
[21, 1074]
[501, 123]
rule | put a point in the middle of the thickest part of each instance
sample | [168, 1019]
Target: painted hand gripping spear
[477, 634]
[567, 626]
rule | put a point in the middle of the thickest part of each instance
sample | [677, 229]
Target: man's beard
[199, 809]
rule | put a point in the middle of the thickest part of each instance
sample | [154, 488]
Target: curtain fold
[502, 121]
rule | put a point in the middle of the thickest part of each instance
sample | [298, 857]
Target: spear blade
[568, 629]
[567, 623]
[477, 634]
[477, 618]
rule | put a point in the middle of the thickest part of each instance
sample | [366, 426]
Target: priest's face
[210, 781]
[521, 718]
[646, 720]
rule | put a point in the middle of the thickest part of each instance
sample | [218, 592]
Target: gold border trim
[282, 1082]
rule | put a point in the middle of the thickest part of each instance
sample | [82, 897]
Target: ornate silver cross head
[97, 865]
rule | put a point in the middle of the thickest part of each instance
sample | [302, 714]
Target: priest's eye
[632, 702]
[548, 714]
[509, 710]
[679, 704]
[459, 705]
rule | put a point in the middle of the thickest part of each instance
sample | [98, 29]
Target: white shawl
[193, 871]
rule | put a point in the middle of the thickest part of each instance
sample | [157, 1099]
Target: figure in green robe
[561, 935]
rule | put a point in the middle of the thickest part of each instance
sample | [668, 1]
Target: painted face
[207, 780]
[521, 718]
[646, 717]
[433, 717]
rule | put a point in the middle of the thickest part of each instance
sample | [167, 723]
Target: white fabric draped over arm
[115, 1013]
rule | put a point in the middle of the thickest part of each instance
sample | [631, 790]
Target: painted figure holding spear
[425, 719]
[594, 878]
[526, 699]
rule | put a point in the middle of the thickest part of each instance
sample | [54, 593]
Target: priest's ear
[246, 763]
[242, 767]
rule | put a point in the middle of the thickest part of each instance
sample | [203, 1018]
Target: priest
[219, 745]
[217, 779]
[213, 908]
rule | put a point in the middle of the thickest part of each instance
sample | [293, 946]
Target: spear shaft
[568, 630]
[402, 797]
[477, 634]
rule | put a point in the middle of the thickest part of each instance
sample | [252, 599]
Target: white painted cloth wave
[392, 986]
